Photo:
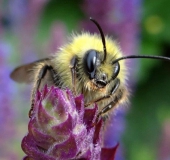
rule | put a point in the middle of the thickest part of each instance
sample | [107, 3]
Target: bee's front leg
[112, 96]
[118, 94]
[111, 92]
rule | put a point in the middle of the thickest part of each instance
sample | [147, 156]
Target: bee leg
[113, 90]
[113, 103]
[108, 107]
[73, 65]
[41, 75]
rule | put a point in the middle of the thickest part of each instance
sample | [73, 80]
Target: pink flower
[61, 128]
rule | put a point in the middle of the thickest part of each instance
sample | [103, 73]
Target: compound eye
[116, 70]
[91, 58]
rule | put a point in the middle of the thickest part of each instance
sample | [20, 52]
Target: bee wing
[24, 73]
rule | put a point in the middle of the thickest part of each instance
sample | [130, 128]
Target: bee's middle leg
[73, 65]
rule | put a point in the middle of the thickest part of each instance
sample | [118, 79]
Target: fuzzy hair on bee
[89, 64]
[102, 84]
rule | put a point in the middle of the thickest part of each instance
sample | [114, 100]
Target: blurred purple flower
[57, 37]
[25, 16]
[120, 20]
[61, 128]
[117, 18]
[7, 113]
[20, 17]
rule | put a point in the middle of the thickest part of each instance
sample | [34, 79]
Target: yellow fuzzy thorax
[78, 46]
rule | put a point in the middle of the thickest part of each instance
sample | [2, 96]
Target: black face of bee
[92, 61]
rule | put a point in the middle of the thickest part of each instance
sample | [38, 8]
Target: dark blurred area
[30, 30]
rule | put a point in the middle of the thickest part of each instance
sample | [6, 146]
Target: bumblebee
[90, 64]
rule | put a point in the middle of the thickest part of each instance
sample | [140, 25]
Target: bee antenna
[141, 56]
[102, 36]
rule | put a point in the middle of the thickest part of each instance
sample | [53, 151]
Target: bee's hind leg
[42, 73]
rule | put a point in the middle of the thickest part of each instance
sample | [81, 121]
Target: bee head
[95, 63]
[95, 69]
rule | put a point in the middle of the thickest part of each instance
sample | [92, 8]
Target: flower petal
[64, 150]
[108, 153]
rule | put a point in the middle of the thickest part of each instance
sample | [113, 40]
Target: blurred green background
[147, 122]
